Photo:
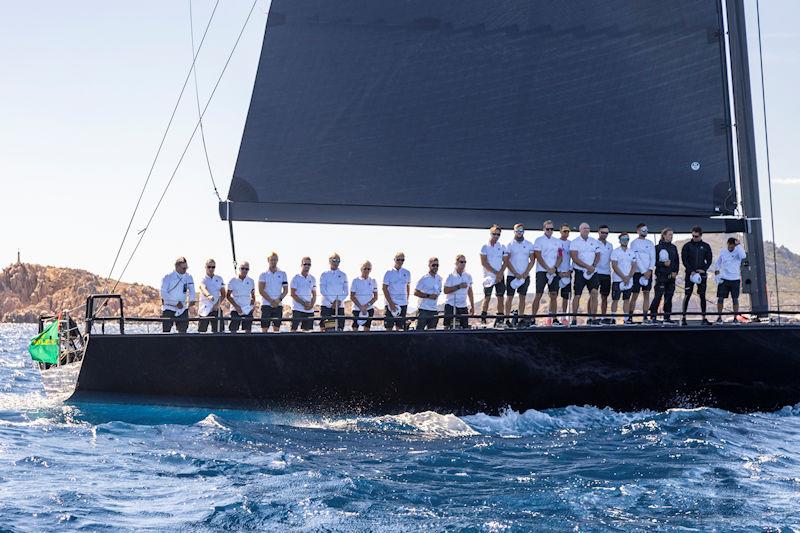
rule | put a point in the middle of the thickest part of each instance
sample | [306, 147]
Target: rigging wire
[186, 148]
[197, 99]
[769, 173]
[161, 144]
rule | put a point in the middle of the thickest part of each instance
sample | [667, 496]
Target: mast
[754, 272]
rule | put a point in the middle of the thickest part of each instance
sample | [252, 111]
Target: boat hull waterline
[745, 368]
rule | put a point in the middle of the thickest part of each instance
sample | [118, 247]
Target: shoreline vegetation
[28, 291]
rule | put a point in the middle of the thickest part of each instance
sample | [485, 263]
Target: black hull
[745, 368]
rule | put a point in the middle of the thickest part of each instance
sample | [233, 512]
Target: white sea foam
[568, 420]
[427, 423]
[213, 421]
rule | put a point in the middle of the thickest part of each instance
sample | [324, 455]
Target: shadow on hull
[746, 368]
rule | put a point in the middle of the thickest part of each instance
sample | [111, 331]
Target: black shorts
[271, 315]
[638, 286]
[541, 283]
[728, 287]
[566, 292]
[581, 283]
[616, 292]
[367, 321]
[390, 321]
[329, 311]
[522, 289]
[604, 283]
[302, 319]
[499, 289]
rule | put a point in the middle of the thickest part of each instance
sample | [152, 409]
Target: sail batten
[418, 112]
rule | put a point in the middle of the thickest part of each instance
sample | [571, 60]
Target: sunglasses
[462, 262]
[244, 268]
[366, 268]
[211, 266]
[336, 260]
[603, 233]
[435, 265]
[400, 259]
[306, 264]
[548, 229]
[496, 234]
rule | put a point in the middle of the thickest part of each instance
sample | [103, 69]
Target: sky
[87, 88]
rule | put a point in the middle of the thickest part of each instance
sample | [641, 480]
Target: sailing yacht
[598, 111]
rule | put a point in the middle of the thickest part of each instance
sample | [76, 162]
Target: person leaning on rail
[396, 287]
[242, 296]
[212, 293]
[458, 289]
[428, 289]
[303, 290]
[363, 294]
[546, 250]
[728, 270]
[696, 256]
[177, 295]
[493, 261]
[667, 266]
[273, 287]
[333, 288]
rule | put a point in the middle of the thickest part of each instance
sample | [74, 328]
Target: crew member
[565, 271]
[273, 286]
[396, 287]
[242, 296]
[697, 257]
[212, 292]
[667, 266]
[603, 273]
[728, 270]
[458, 288]
[623, 269]
[303, 290]
[519, 262]
[333, 287]
[176, 288]
[363, 294]
[584, 251]
[493, 262]
[546, 250]
[645, 252]
[428, 289]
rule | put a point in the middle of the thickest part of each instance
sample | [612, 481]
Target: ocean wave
[427, 423]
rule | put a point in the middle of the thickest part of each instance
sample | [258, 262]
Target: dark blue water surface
[137, 468]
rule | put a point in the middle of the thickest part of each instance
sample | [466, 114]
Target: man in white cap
[458, 288]
[333, 286]
[604, 271]
[212, 292]
[645, 252]
[176, 288]
[273, 286]
[696, 257]
[519, 261]
[546, 250]
[303, 291]
[242, 296]
[728, 270]
[493, 261]
[363, 294]
[396, 287]
[584, 250]
[428, 289]
[623, 268]
[565, 271]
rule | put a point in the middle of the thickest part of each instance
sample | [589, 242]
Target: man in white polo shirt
[458, 289]
[728, 270]
[546, 253]
[493, 262]
[645, 252]
[584, 250]
[303, 290]
[623, 267]
[333, 286]
[565, 271]
[176, 288]
[212, 292]
[519, 261]
[273, 286]
[428, 289]
[604, 271]
[363, 294]
[242, 296]
[396, 288]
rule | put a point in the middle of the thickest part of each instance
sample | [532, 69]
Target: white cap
[362, 314]
[489, 281]
[550, 278]
[663, 255]
[644, 282]
[587, 275]
[516, 283]
[564, 282]
[396, 311]
[626, 286]
[696, 278]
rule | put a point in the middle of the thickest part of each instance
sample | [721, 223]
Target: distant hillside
[28, 291]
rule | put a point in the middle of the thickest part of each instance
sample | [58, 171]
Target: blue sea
[143, 468]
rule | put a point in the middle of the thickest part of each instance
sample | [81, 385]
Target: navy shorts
[566, 292]
[604, 283]
[499, 289]
[522, 289]
[271, 315]
[638, 286]
[580, 283]
[616, 293]
[541, 283]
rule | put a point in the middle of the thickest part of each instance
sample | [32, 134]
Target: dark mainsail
[469, 112]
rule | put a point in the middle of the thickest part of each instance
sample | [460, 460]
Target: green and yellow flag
[44, 346]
